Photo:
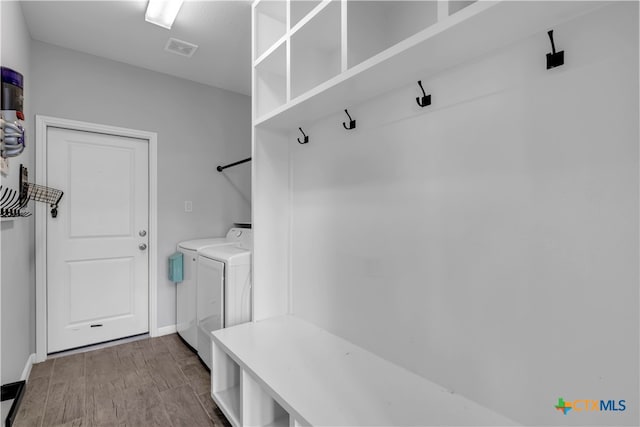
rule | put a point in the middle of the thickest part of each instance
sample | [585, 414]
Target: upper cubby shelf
[374, 26]
[270, 24]
[315, 50]
[300, 9]
[270, 81]
[458, 5]
[402, 56]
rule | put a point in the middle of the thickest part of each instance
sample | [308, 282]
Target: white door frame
[42, 210]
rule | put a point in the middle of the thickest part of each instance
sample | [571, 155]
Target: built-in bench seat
[285, 371]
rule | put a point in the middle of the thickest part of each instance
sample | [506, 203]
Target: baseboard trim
[166, 330]
[27, 367]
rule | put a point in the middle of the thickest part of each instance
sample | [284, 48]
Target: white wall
[488, 242]
[18, 270]
[199, 127]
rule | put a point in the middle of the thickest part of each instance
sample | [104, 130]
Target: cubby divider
[260, 409]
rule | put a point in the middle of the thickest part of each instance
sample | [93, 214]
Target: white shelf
[229, 402]
[270, 24]
[269, 51]
[258, 407]
[321, 379]
[300, 9]
[374, 26]
[315, 50]
[474, 31]
[457, 5]
[271, 81]
[280, 422]
[225, 385]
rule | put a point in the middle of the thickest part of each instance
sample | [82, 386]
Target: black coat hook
[305, 139]
[425, 99]
[352, 123]
[554, 59]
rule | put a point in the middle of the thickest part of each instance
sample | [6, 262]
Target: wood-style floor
[151, 382]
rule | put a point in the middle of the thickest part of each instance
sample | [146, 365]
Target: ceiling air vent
[180, 47]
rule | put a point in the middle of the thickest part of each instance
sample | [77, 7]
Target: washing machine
[224, 291]
[186, 291]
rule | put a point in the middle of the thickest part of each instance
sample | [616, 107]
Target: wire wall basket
[13, 203]
[40, 193]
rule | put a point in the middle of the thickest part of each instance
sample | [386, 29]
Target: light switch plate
[188, 206]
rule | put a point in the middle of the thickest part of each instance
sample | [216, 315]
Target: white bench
[287, 372]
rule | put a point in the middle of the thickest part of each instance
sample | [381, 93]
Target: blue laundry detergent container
[175, 267]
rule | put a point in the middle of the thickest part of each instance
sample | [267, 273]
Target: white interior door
[97, 258]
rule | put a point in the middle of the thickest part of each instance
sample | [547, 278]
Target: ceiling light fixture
[163, 12]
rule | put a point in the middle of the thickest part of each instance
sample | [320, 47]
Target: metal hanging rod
[230, 165]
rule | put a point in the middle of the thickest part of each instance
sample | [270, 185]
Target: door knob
[142, 246]
[142, 233]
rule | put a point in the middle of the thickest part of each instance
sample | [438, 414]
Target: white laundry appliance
[224, 290]
[186, 291]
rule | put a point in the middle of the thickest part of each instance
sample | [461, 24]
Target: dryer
[186, 291]
[224, 291]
